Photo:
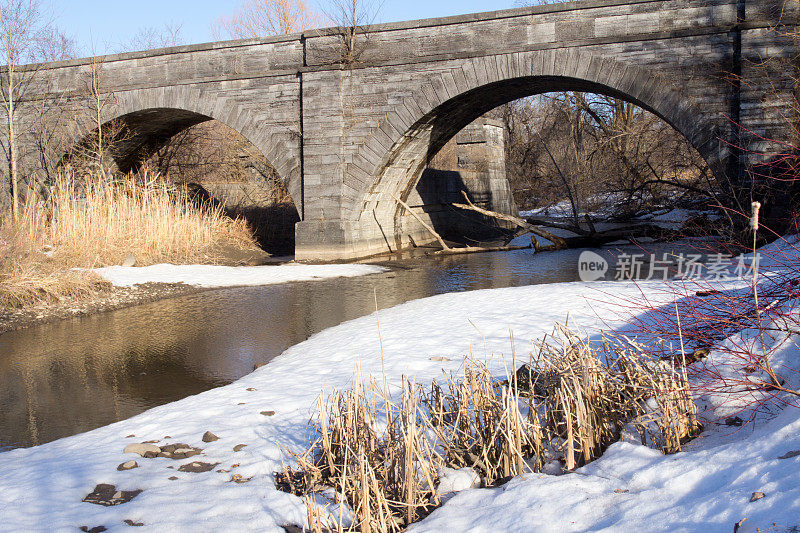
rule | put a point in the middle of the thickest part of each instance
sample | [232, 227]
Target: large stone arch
[165, 111]
[448, 100]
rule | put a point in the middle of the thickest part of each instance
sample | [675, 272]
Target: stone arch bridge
[347, 140]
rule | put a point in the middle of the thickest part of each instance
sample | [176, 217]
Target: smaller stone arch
[154, 115]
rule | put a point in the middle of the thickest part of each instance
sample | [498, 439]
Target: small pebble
[757, 496]
[209, 437]
[239, 447]
[268, 413]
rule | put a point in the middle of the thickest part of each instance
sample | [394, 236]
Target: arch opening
[407, 165]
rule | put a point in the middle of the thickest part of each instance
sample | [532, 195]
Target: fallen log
[447, 249]
[477, 249]
[589, 240]
[424, 224]
[558, 242]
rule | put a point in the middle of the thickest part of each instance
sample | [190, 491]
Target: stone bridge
[347, 140]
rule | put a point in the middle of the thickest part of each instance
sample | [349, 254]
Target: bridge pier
[472, 162]
[337, 240]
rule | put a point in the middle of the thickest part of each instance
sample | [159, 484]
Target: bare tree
[350, 16]
[149, 38]
[262, 18]
[22, 25]
[98, 100]
[53, 45]
[588, 148]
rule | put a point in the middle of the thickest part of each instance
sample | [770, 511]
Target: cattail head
[754, 218]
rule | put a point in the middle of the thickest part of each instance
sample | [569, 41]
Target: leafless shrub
[350, 17]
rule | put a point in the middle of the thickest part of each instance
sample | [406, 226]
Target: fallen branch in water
[426, 226]
[476, 249]
[447, 249]
[588, 240]
[558, 242]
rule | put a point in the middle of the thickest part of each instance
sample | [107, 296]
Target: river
[68, 377]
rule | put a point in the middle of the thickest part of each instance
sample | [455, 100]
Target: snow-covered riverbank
[209, 276]
[631, 488]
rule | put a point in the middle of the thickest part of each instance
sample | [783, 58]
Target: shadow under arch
[131, 138]
[449, 101]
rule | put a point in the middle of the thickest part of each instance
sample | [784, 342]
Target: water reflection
[72, 376]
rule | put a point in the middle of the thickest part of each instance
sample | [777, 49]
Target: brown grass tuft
[98, 221]
[572, 400]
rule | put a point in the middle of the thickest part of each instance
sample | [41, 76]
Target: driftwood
[558, 242]
[426, 226]
[586, 240]
[603, 237]
[447, 249]
[476, 249]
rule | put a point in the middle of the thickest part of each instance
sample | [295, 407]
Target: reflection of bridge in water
[346, 140]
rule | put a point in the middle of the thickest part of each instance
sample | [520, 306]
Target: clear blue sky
[105, 24]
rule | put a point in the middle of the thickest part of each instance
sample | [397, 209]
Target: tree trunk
[12, 144]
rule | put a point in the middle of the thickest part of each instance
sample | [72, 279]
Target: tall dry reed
[99, 220]
[383, 455]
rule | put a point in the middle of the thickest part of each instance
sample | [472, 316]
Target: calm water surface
[69, 377]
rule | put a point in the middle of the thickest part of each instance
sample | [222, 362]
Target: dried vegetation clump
[99, 220]
[383, 455]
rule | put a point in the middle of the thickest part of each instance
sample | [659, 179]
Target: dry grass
[374, 453]
[30, 278]
[99, 221]
[568, 404]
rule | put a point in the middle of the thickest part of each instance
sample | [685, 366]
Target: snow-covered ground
[560, 209]
[226, 276]
[631, 488]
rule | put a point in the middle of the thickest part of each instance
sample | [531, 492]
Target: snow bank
[225, 276]
[41, 488]
[631, 488]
